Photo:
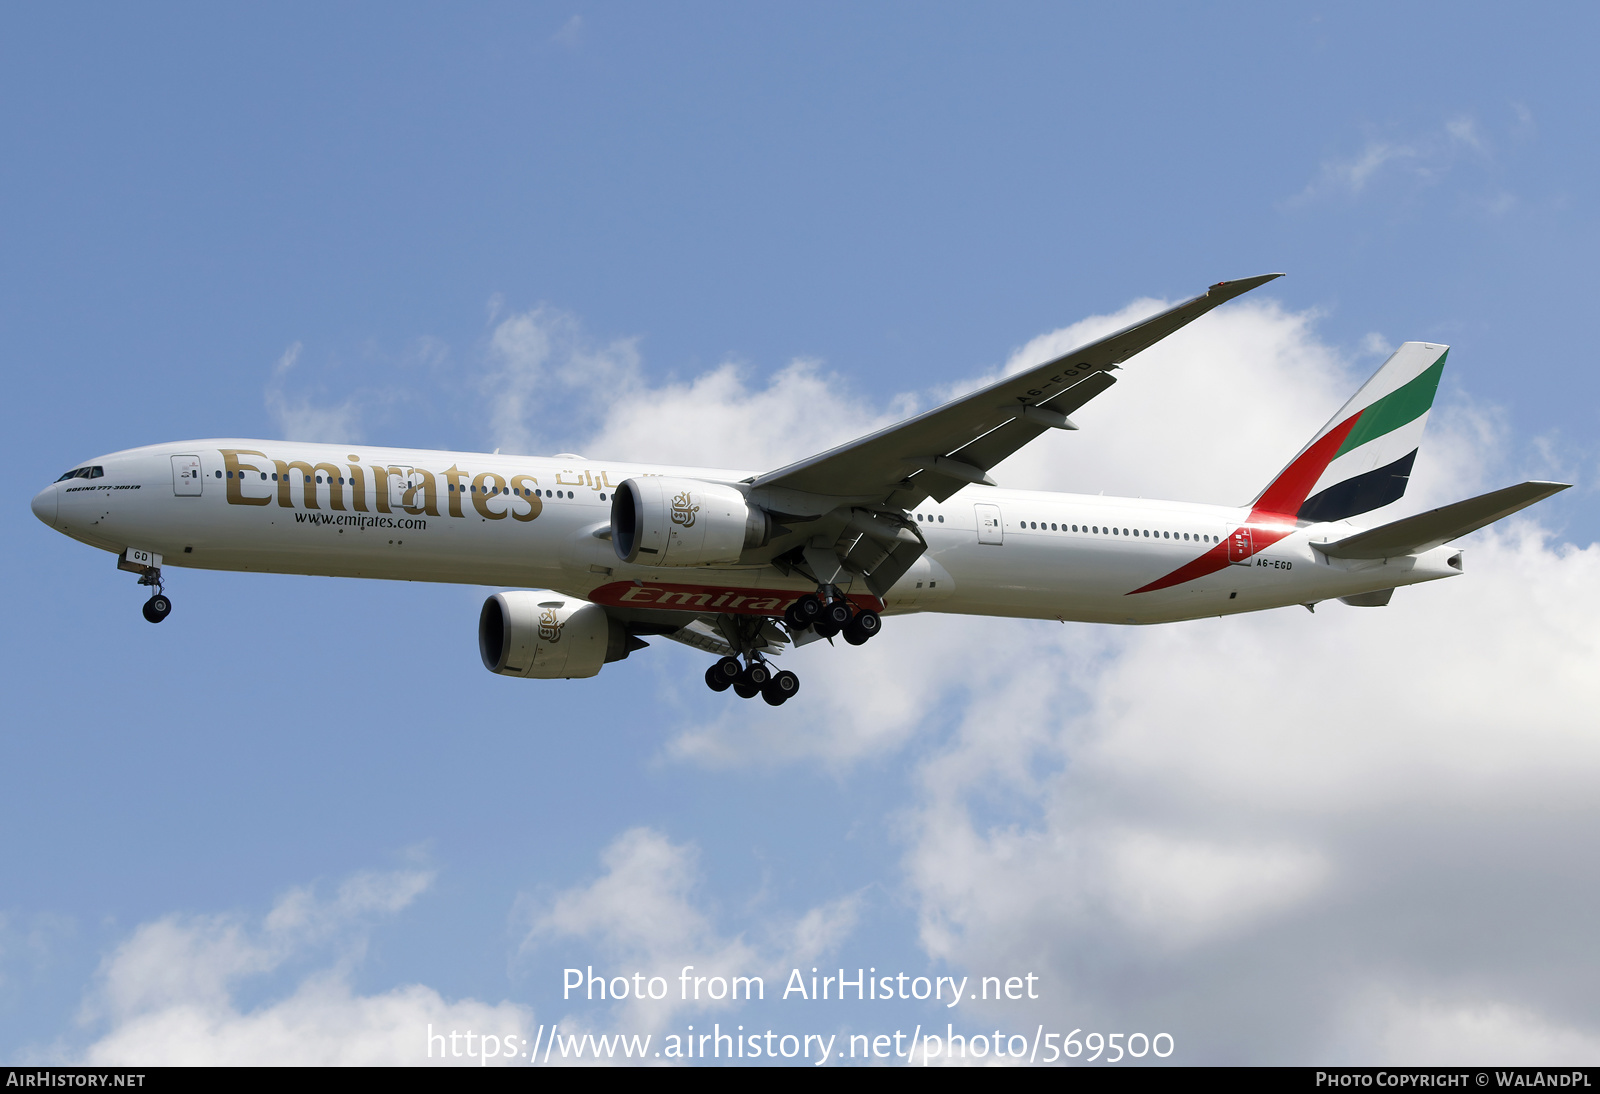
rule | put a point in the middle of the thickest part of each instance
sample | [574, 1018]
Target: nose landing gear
[158, 607]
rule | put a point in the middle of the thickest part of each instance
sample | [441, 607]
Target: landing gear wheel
[807, 610]
[157, 608]
[862, 627]
[796, 620]
[723, 673]
[838, 613]
[781, 688]
[825, 628]
[752, 680]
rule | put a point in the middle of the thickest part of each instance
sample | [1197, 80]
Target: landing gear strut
[158, 607]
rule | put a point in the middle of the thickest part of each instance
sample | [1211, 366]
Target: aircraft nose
[44, 505]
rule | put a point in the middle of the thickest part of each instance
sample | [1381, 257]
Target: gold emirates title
[420, 494]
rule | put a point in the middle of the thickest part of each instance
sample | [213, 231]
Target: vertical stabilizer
[1361, 460]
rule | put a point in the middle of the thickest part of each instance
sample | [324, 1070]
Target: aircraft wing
[939, 452]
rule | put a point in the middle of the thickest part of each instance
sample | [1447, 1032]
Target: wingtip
[1243, 284]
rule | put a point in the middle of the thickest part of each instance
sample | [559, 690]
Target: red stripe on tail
[1291, 488]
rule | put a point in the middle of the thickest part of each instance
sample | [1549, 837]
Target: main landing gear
[825, 612]
[752, 679]
[158, 607]
[833, 616]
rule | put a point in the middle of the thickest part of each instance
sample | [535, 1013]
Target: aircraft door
[186, 476]
[1240, 547]
[990, 527]
[404, 490]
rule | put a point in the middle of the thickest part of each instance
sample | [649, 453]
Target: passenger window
[941, 520]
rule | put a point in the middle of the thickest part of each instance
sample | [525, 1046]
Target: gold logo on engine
[549, 625]
[684, 509]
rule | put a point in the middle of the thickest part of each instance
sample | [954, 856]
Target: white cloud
[301, 418]
[169, 994]
[1423, 159]
[1292, 808]
[1418, 1032]
[1282, 837]
[1245, 831]
[641, 915]
[543, 369]
[570, 34]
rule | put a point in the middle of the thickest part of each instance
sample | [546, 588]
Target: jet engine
[657, 521]
[548, 636]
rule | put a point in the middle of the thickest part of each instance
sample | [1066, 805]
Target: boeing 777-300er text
[740, 564]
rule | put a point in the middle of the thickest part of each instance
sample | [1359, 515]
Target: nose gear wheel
[159, 606]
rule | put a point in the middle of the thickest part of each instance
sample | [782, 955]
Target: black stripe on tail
[1361, 494]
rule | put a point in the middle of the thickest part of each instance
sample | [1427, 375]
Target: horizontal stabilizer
[1426, 531]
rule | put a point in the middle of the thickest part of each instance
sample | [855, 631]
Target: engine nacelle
[547, 636]
[658, 521]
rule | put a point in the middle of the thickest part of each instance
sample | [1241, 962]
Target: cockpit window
[71, 474]
[83, 473]
[97, 472]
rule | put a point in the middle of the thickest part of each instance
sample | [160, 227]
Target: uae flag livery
[1361, 460]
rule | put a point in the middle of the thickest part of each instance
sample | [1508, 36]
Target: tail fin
[1362, 458]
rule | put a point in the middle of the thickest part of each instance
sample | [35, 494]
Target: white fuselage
[531, 521]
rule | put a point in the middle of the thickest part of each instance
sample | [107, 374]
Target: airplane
[600, 554]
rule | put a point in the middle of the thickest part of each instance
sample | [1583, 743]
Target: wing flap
[1426, 531]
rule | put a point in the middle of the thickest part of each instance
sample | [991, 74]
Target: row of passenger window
[83, 473]
[536, 493]
[1097, 530]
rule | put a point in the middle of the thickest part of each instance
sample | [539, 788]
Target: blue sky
[758, 231]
